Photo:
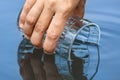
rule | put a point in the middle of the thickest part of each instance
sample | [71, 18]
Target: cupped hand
[48, 16]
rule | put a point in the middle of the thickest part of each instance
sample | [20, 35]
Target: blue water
[106, 13]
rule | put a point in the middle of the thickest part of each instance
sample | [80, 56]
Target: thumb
[80, 9]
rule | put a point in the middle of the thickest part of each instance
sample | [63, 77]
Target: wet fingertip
[48, 50]
[37, 44]
[49, 47]
[38, 47]
[49, 53]
[27, 37]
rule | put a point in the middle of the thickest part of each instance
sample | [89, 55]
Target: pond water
[106, 13]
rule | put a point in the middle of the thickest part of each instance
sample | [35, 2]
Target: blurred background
[106, 13]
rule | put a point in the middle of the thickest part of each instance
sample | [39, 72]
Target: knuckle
[22, 18]
[67, 8]
[30, 20]
[56, 24]
[26, 8]
[39, 29]
[51, 3]
[53, 36]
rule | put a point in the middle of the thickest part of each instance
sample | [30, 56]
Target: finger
[27, 6]
[37, 67]
[41, 27]
[54, 32]
[26, 69]
[79, 11]
[32, 17]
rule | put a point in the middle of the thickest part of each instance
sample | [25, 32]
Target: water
[105, 13]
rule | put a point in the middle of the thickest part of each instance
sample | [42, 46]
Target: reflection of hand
[32, 68]
[37, 18]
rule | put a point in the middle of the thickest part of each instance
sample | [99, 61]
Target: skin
[48, 16]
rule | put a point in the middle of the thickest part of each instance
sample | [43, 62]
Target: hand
[48, 16]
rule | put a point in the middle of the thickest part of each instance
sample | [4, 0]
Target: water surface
[106, 13]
